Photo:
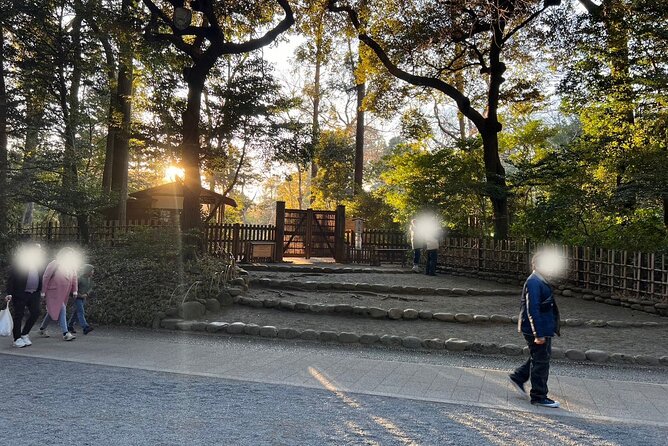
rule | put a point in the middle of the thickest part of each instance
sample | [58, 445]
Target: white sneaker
[26, 340]
[43, 333]
[69, 337]
[19, 343]
[416, 269]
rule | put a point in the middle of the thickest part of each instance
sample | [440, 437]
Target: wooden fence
[218, 238]
[631, 273]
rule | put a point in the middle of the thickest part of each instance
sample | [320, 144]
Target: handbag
[6, 322]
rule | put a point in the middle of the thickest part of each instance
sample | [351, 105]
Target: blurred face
[549, 262]
[69, 259]
[29, 257]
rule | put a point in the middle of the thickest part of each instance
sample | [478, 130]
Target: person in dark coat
[23, 288]
[539, 323]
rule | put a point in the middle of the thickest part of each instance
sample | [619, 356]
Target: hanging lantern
[182, 18]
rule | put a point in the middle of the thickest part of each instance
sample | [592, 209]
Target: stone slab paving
[345, 372]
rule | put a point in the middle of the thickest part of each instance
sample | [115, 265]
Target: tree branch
[463, 102]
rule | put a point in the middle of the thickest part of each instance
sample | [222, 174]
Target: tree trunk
[4, 160]
[34, 116]
[192, 218]
[121, 149]
[359, 138]
[70, 106]
[497, 189]
[315, 135]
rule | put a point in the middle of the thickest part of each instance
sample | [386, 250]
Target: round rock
[622, 358]
[348, 338]
[328, 336]
[286, 305]
[558, 353]
[434, 344]
[169, 324]
[646, 360]
[511, 349]
[464, 317]
[480, 318]
[309, 335]
[377, 313]
[369, 338]
[391, 340]
[192, 310]
[445, 317]
[288, 333]
[426, 315]
[457, 345]
[236, 328]
[575, 355]
[268, 331]
[597, 355]
[501, 319]
[411, 342]
[252, 329]
[395, 313]
[410, 314]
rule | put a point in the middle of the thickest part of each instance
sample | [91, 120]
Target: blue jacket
[539, 315]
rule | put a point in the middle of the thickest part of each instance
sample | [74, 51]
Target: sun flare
[172, 173]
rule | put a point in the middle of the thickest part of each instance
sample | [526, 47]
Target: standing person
[60, 280]
[538, 323]
[416, 244]
[24, 285]
[85, 287]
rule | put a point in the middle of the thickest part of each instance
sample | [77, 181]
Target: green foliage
[135, 281]
[334, 155]
[372, 207]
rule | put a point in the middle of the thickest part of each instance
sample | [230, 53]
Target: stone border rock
[660, 308]
[412, 314]
[310, 285]
[409, 342]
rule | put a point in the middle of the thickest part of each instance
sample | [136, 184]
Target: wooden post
[235, 240]
[280, 231]
[340, 234]
[308, 236]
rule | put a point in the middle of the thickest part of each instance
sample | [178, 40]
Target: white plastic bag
[6, 322]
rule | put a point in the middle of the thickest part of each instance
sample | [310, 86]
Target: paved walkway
[344, 374]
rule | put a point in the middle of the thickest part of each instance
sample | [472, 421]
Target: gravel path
[583, 338]
[114, 406]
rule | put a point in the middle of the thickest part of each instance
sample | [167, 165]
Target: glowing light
[174, 172]
[550, 261]
[427, 228]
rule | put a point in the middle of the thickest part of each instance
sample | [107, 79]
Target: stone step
[407, 342]
[311, 285]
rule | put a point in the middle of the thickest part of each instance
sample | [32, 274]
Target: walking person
[416, 244]
[60, 280]
[23, 288]
[538, 323]
[85, 288]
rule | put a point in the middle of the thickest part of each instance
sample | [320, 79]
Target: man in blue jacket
[538, 322]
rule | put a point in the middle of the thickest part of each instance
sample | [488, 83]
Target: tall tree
[414, 36]
[205, 43]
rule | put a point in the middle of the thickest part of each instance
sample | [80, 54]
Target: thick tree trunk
[121, 145]
[496, 182]
[4, 160]
[192, 218]
[34, 116]
[121, 157]
[109, 149]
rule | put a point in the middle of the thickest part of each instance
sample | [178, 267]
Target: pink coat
[57, 286]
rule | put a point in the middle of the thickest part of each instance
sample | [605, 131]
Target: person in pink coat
[60, 280]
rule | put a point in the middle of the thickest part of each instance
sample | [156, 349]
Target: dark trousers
[416, 256]
[20, 302]
[432, 259]
[536, 368]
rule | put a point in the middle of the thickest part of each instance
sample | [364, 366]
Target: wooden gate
[310, 233]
